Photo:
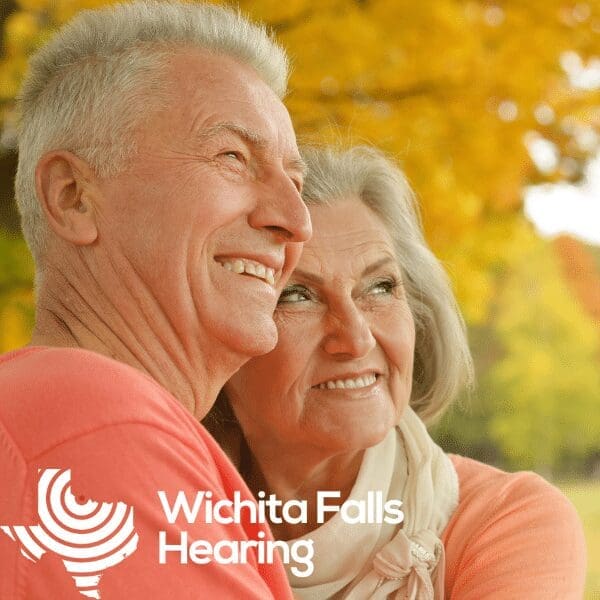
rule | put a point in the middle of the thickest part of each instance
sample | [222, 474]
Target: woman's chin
[355, 439]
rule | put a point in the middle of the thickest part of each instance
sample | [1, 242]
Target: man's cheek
[293, 252]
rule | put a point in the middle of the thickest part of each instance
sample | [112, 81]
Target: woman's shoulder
[512, 529]
[477, 479]
[491, 497]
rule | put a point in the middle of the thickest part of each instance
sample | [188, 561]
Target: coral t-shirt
[513, 535]
[124, 439]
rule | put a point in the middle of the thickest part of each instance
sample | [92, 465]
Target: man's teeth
[348, 384]
[259, 270]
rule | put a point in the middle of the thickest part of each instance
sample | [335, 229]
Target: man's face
[208, 214]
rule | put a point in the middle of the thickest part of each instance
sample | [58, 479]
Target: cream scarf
[381, 561]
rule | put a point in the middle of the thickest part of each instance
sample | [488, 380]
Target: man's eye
[293, 294]
[298, 184]
[234, 154]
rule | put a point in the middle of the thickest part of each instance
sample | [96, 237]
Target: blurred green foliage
[536, 406]
[16, 296]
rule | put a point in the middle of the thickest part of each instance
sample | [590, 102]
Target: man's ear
[64, 185]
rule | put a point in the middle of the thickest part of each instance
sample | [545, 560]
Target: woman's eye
[293, 294]
[386, 286]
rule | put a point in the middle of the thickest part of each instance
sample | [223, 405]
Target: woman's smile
[348, 382]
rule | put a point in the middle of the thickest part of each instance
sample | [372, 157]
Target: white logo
[89, 537]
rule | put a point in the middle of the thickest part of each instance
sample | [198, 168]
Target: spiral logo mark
[89, 537]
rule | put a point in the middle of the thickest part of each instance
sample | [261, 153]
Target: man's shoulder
[68, 369]
[50, 395]
[119, 439]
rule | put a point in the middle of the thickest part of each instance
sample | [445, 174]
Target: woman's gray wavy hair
[92, 85]
[443, 364]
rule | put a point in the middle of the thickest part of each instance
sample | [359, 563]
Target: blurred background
[493, 109]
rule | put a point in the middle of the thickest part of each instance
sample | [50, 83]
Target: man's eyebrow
[242, 132]
[368, 270]
[297, 164]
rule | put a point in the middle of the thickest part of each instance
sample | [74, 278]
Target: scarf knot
[410, 563]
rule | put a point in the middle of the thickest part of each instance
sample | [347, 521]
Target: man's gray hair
[443, 363]
[84, 89]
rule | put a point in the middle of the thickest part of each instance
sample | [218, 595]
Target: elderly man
[159, 185]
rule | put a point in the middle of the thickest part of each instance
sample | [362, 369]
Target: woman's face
[341, 373]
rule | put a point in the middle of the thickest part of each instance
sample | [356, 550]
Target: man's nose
[349, 333]
[280, 209]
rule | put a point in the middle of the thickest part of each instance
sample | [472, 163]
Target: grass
[585, 495]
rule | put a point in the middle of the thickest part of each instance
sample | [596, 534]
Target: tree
[546, 385]
[582, 272]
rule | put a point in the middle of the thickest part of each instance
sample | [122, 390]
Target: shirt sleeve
[130, 463]
[123, 438]
[518, 538]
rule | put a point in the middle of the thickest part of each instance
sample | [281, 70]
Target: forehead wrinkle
[352, 242]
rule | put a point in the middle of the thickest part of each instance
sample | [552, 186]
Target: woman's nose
[349, 334]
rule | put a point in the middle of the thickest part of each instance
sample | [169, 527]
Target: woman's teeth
[242, 265]
[348, 384]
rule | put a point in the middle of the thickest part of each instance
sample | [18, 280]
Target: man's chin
[254, 339]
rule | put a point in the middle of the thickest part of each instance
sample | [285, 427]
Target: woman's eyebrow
[372, 268]
[377, 265]
[310, 277]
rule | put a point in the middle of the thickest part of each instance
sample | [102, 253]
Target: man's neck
[106, 320]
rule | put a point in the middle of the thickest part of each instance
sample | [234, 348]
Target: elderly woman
[371, 346]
